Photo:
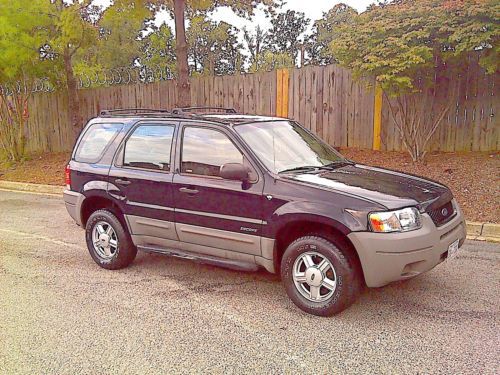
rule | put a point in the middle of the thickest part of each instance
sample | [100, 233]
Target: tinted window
[205, 150]
[95, 141]
[149, 147]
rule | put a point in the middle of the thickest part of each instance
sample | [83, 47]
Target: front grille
[443, 214]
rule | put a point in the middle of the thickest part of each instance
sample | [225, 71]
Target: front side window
[94, 142]
[204, 151]
[149, 147]
[284, 145]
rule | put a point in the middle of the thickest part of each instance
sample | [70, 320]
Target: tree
[180, 8]
[268, 61]
[20, 66]
[255, 44]
[325, 31]
[213, 47]
[401, 43]
[158, 49]
[67, 32]
[120, 27]
[285, 32]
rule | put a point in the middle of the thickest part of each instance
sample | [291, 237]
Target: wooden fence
[324, 99]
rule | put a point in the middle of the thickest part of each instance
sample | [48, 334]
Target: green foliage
[285, 32]
[20, 39]
[325, 31]
[268, 61]
[158, 48]
[120, 31]
[399, 41]
[213, 47]
[255, 42]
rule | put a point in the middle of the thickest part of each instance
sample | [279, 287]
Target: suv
[246, 191]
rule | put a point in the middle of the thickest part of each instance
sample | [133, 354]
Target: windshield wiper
[304, 167]
[329, 167]
[339, 163]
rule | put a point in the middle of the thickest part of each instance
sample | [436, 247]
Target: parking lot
[61, 313]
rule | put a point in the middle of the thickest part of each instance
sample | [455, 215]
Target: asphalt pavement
[62, 314]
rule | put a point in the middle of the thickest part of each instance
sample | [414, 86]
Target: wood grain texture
[325, 99]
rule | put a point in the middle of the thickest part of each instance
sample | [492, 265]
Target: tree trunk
[183, 87]
[72, 91]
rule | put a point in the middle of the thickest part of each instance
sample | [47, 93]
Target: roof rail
[131, 111]
[202, 110]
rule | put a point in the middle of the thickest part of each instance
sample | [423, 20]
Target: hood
[388, 188]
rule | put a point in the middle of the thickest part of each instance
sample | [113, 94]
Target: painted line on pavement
[43, 238]
[32, 192]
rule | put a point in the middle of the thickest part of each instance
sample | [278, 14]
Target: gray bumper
[388, 257]
[73, 202]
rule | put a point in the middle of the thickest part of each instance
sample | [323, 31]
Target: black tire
[347, 276]
[125, 252]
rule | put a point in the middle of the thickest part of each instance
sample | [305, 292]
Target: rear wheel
[107, 241]
[319, 278]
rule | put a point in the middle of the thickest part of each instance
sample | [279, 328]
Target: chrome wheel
[314, 277]
[104, 240]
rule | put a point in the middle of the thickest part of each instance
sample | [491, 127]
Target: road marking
[224, 312]
[32, 192]
[43, 238]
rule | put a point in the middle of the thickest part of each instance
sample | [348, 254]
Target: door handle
[124, 182]
[188, 190]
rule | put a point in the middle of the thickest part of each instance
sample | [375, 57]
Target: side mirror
[234, 171]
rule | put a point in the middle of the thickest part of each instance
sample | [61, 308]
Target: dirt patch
[45, 169]
[473, 177]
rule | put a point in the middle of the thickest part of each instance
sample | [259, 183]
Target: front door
[141, 182]
[211, 211]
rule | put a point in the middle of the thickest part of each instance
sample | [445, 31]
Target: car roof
[238, 118]
[231, 117]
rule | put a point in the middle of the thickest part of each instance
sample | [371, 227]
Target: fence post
[282, 85]
[279, 93]
[377, 118]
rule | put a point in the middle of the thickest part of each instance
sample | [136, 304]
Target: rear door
[211, 211]
[141, 181]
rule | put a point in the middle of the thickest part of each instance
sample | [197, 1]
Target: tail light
[67, 177]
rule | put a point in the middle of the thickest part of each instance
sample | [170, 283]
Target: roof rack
[202, 110]
[132, 111]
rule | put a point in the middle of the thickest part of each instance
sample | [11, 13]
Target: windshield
[283, 145]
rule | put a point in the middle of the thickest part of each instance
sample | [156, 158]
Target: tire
[338, 278]
[118, 254]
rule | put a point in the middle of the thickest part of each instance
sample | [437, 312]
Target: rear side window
[149, 147]
[94, 142]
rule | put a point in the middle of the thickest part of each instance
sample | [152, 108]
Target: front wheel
[318, 276]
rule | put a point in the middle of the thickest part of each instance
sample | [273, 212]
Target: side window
[149, 147]
[205, 150]
[94, 142]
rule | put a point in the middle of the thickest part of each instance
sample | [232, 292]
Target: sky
[313, 10]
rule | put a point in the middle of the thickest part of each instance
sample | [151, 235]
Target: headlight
[395, 221]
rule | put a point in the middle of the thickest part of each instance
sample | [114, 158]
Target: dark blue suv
[246, 191]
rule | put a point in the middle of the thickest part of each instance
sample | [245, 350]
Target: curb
[483, 231]
[475, 231]
[32, 188]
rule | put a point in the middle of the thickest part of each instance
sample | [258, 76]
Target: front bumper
[388, 257]
[73, 202]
